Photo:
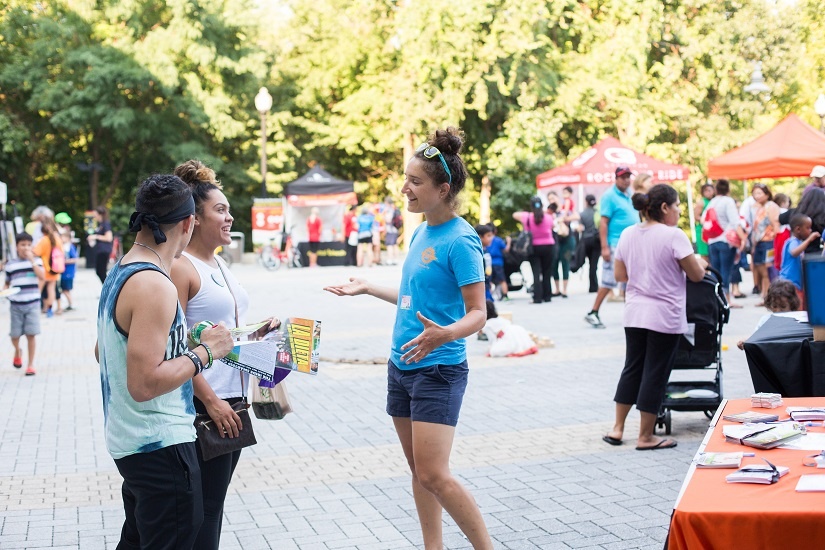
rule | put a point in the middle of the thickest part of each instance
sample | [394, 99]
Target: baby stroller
[699, 349]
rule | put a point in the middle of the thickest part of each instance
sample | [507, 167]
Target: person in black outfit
[101, 242]
[592, 242]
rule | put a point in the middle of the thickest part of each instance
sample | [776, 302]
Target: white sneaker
[593, 319]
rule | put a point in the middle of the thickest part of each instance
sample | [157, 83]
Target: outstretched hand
[433, 336]
[353, 288]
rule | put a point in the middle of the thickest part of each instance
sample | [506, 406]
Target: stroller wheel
[660, 420]
[709, 414]
[667, 422]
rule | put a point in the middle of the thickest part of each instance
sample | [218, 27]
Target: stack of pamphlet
[766, 400]
[803, 414]
[763, 436]
[809, 483]
[751, 416]
[718, 460]
[758, 473]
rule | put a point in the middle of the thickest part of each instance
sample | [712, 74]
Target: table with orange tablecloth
[713, 514]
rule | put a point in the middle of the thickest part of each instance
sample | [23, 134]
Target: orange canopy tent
[789, 149]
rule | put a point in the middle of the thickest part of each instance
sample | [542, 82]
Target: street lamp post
[819, 107]
[263, 102]
[757, 85]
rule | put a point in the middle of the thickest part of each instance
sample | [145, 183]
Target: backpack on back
[397, 219]
[57, 260]
[710, 225]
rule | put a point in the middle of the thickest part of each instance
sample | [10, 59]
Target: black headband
[154, 222]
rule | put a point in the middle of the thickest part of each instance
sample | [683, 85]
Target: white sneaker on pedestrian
[593, 319]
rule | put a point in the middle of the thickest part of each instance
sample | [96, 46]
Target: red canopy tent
[789, 149]
[595, 168]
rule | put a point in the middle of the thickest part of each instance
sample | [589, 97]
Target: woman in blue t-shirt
[440, 303]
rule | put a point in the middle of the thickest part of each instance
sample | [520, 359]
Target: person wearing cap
[617, 214]
[817, 179]
[146, 372]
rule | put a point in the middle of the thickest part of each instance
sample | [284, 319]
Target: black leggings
[101, 265]
[593, 251]
[648, 361]
[565, 247]
[215, 477]
[541, 261]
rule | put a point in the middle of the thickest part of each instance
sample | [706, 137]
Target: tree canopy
[96, 95]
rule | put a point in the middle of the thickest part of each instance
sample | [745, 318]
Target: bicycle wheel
[269, 258]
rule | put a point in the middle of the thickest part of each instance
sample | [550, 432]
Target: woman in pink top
[540, 224]
[652, 258]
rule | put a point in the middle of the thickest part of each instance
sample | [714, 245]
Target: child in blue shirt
[495, 246]
[801, 237]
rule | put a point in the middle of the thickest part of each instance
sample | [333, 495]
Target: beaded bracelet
[208, 354]
[196, 360]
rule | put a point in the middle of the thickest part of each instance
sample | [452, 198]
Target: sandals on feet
[611, 440]
[663, 444]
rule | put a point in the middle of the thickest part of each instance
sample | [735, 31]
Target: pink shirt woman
[542, 232]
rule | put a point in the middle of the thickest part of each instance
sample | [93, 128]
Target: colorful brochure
[293, 346]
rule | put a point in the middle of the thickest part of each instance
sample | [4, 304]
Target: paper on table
[808, 442]
[811, 483]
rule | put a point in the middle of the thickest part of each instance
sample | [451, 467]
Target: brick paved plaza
[332, 474]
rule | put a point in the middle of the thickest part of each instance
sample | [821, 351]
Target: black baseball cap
[623, 171]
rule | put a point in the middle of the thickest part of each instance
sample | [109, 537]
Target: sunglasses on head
[429, 152]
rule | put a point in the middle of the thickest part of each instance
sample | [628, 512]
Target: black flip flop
[659, 445]
[611, 440]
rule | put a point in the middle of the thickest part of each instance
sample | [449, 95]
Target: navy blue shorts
[498, 274]
[763, 253]
[429, 394]
[66, 283]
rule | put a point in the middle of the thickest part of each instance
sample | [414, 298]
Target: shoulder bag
[561, 228]
[209, 440]
[522, 245]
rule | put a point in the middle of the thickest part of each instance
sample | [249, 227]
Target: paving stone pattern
[332, 475]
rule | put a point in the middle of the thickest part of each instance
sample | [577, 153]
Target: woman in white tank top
[207, 290]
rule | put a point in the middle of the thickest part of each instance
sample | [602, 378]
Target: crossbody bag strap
[237, 324]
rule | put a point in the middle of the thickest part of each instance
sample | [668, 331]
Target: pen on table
[748, 454]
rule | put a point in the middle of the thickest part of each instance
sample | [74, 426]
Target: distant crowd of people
[40, 273]
[366, 227]
[764, 234]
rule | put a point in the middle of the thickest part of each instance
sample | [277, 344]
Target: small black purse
[211, 442]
